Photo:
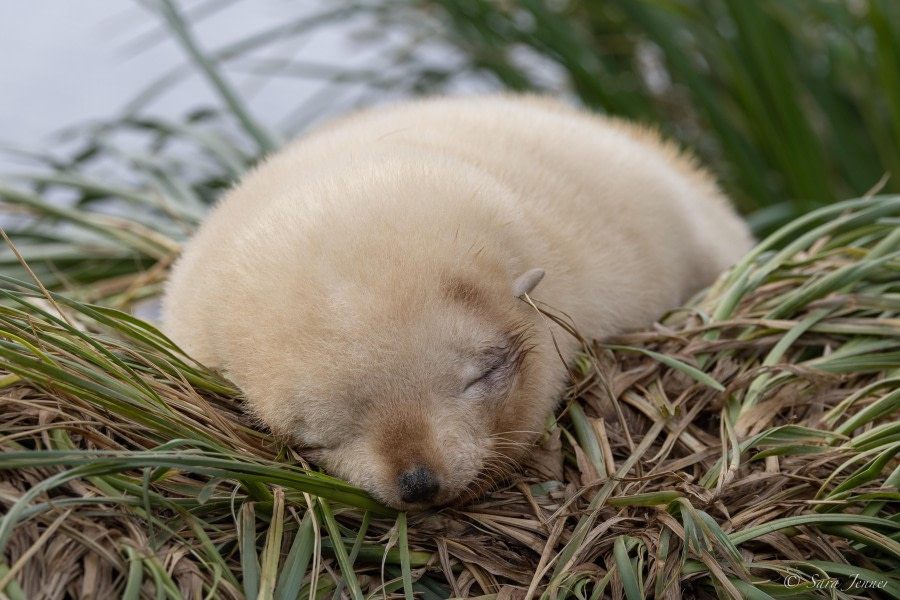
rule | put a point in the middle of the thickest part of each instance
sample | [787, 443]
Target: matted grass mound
[747, 447]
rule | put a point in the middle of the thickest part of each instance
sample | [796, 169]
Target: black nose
[418, 485]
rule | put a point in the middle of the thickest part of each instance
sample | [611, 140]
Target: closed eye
[480, 379]
[493, 378]
[497, 365]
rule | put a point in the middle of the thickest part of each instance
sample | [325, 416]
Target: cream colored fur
[349, 282]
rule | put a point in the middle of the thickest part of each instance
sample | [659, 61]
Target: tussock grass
[750, 437]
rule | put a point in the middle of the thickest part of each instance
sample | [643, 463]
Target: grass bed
[745, 447]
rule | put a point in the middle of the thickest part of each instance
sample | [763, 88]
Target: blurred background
[66, 63]
[163, 104]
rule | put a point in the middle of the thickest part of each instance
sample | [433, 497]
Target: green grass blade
[403, 543]
[247, 543]
[626, 570]
[296, 564]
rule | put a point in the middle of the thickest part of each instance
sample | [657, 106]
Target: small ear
[527, 281]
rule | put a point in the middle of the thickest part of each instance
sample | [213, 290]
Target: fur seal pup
[362, 286]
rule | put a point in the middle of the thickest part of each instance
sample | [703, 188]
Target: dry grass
[750, 438]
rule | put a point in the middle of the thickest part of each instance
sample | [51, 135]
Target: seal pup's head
[389, 340]
[422, 397]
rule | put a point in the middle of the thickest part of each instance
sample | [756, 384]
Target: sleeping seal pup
[365, 287]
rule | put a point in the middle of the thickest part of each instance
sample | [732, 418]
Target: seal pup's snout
[418, 485]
